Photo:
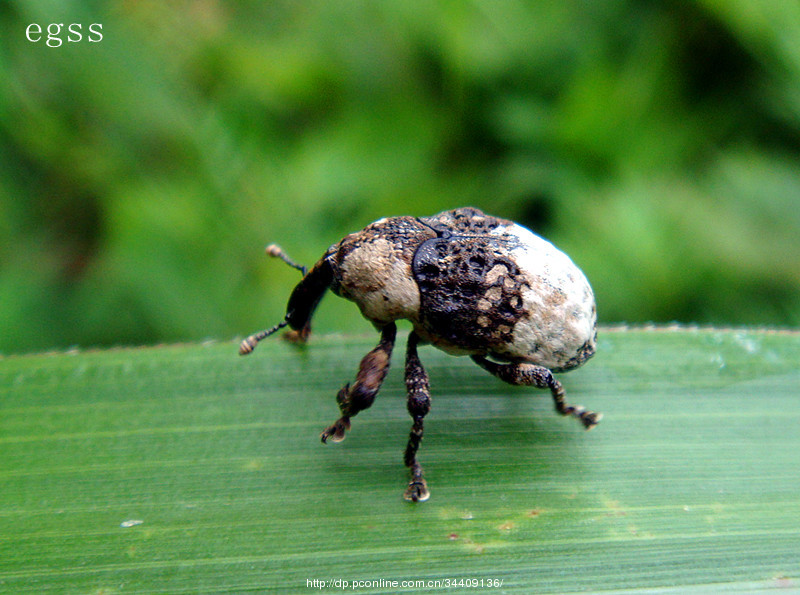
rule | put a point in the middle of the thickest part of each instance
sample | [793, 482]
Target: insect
[470, 284]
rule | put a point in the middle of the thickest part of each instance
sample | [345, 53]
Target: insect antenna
[277, 252]
[250, 342]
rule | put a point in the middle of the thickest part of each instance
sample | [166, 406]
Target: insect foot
[417, 490]
[589, 419]
[336, 432]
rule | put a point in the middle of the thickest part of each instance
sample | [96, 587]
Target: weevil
[470, 284]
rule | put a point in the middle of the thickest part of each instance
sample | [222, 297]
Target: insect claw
[336, 432]
[417, 491]
[590, 419]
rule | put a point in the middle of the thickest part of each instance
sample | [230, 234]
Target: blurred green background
[656, 142]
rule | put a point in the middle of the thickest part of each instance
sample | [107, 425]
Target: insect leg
[352, 398]
[540, 377]
[419, 403]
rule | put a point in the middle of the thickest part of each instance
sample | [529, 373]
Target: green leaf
[188, 469]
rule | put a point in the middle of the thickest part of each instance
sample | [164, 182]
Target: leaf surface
[190, 469]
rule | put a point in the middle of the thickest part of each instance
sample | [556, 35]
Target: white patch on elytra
[558, 299]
